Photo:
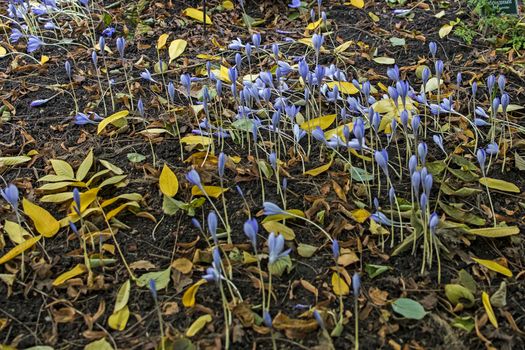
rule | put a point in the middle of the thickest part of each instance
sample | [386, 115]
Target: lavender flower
[492, 148]
[272, 209]
[501, 83]
[356, 283]
[481, 155]
[153, 288]
[33, 43]
[381, 158]
[422, 151]
[213, 273]
[267, 319]
[433, 222]
[146, 75]
[76, 200]
[438, 140]
[108, 32]
[275, 248]
[319, 319]
[38, 103]
[121, 46]
[432, 46]
[83, 119]
[10, 195]
[193, 177]
[317, 42]
[16, 35]
[251, 227]
[295, 4]
[335, 249]
[256, 40]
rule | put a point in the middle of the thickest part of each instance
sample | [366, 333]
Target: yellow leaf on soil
[112, 118]
[360, 215]
[318, 170]
[19, 249]
[314, 25]
[356, 3]
[344, 87]
[168, 182]
[119, 319]
[499, 184]
[339, 285]
[212, 191]
[196, 15]
[44, 222]
[76, 271]
[188, 299]
[494, 266]
[323, 122]
[161, 42]
[176, 49]
[197, 325]
[196, 140]
[488, 308]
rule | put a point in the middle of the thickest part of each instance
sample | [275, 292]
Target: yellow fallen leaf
[161, 42]
[222, 74]
[356, 3]
[176, 49]
[44, 222]
[339, 285]
[112, 118]
[445, 30]
[203, 56]
[122, 296]
[344, 87]
[75, 271]
[168, 182]
[196, 140]
[499, 184]
[314, 25]
[19, 249]
[495, 232]
[196, 15]
[360, 215]
[15, 232]
[494, 266]
[197, 325]
[343, 47]
[279, 228]
[44, 59]
[228, 5]
[318, 170]
[183, 265]
[488, 308]
[3, 51]
[338, 131]
[188, 299]
[323, 122]
[212, 191]
[119, 319]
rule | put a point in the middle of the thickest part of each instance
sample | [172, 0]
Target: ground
[37, 310]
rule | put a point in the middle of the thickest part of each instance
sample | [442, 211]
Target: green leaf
[501, 185]
[360, 175]
[10, 161]
[306, 250]
[62, 168]
[467, 281]
[462, 216]
[384, 60]
[101, 344]
[375, 270]
[409, 308]
[282, 264]
[111, 119]
[465, 175]
[397, 41]
[122, 296]
[495, 232]
[456, 294]
[84, 167]
[136, 157]
[462, 192]
[466, 323]
[161, 278]
[499, 298]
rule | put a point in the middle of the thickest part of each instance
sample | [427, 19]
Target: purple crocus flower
[432, 47]
[267, 319]
[121, 46]
[335, 249]
[76, 200]
[295, 4]
[194, 178]
[422, 151]
[212, 225]
[251, 227]
[433, 222]
[481, 155]
[83, 119]
[213, 273]
[317, 41]
[153, 288]
[356, 283]
[275, 248]
[272, 209]
[10, 194]
[38, 103]
[33, 43]
[492, 148]
[16, 34]
[146, 75]
[501, 83]
[319, 319]
[256, 40]
[108, 32]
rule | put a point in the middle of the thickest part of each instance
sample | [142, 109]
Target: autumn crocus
[146, 75]
[33, 43]
[251, 227]
[76, 201]
[276, 247]
[10, 195]
[212, 225]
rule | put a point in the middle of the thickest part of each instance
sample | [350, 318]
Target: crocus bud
[356, 283]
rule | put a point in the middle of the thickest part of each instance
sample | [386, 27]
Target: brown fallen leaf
[294, 328]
